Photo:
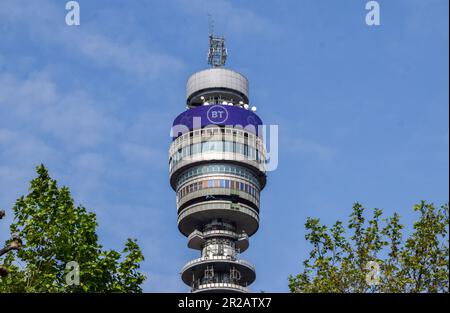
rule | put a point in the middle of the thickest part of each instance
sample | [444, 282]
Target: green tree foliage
[14, 244]
[343, 259]
[55, 232]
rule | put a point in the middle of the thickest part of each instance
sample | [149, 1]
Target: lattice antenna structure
[217, 53]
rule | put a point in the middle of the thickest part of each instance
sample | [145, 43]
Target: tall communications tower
[216, 165]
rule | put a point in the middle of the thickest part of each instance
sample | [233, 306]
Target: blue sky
[362, 113]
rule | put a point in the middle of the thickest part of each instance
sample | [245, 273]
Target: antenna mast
[217, 53]
[210, 25]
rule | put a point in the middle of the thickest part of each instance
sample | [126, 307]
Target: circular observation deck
[195, 268]
[194, 217]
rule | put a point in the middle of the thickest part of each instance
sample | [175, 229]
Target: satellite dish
[224, 103]
[202, 98]
[253, 109]
[206, 103]
[246, 106]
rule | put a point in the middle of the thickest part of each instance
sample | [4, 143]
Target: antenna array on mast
[217, 53]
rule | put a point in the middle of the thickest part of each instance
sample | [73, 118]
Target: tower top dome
[217, 82]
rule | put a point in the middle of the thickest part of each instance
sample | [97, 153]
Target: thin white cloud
[293, 143]
[230, 17]
[132, 57]
[90, 162]
[38, 104]
[142, 154]
[298, 146]
[43, 21]
[17, 146]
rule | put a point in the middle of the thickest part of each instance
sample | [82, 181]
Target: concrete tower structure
[216, 165]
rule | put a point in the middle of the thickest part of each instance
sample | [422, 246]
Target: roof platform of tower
[217, 83]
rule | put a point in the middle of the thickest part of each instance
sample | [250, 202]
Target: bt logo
[217, 114]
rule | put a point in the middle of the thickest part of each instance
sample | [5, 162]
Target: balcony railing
[217, 258]
[202, 287]
[217, 205]
[217, 233]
